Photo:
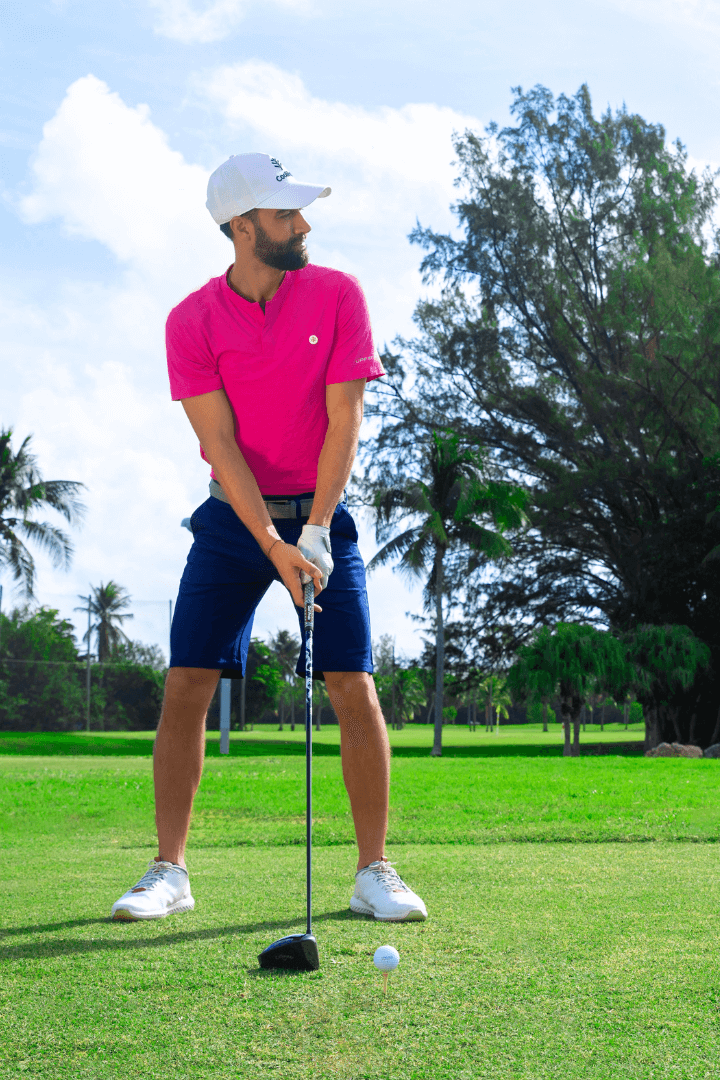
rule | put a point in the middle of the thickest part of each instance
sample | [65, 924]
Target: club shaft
[309, 628]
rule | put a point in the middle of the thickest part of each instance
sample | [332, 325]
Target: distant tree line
[43, 678]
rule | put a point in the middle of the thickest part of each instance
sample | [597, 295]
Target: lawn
[589, 952]
[458, 740]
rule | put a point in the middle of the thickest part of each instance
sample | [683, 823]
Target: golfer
[270, 362]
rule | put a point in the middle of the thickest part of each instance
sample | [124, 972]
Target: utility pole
[394, 718]
[87, 665]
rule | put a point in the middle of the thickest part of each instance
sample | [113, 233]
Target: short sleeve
[354, 355]
[192, 368]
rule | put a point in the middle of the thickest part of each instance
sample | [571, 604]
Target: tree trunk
[602, 717]
[583, 717]
[439, 655]
[565, 710]
[317, 714]
[626, 710]
[716, 731]
[691, 733]
[292, 708]
[281, 710]
[651, 732]
[575, 752]
[674, 717]
[544, 705]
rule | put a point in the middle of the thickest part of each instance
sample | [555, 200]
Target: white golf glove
[314, 544]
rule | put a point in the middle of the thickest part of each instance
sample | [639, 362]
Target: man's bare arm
[214, 424]
[345, 412]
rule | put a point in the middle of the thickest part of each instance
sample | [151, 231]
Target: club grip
[309, 594]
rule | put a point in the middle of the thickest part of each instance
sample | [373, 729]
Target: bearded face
[280, 255]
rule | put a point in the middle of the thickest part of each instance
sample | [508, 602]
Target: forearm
[240, 486]
[334, 468]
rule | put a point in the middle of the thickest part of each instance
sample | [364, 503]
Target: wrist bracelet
[278, 541]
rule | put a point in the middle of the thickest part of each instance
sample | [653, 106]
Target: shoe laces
[386, 876]
[154, 875]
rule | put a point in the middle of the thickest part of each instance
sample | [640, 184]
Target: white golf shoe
[380, 891]
[163, 890]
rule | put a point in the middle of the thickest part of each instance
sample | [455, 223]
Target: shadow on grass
[43, 950]
[64, 744]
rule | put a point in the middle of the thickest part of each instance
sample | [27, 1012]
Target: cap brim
[294, 196]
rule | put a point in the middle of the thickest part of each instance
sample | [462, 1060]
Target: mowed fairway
[573, 926]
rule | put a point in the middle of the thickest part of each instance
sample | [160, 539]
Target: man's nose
[301, 225]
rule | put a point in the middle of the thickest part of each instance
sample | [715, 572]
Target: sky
[112, 117]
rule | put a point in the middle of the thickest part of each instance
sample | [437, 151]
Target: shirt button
[313, 339]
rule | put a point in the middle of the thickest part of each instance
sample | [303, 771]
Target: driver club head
[297, 952]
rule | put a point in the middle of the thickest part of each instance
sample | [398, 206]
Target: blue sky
[114, 114]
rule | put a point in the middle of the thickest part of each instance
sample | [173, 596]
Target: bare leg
[179, 755]
[365, 758]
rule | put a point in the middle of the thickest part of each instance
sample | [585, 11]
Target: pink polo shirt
[274, 366]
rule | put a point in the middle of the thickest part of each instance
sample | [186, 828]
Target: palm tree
[666, 659]
[286, 649]
[22, 493]
[497, 699]
[446, 513]
[574, 659]
[106, 604]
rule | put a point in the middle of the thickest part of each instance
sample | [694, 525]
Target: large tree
[23, 493]
[578, 338]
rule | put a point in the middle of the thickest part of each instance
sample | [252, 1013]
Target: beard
[288, 255]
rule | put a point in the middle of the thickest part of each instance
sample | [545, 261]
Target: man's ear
[241, 229]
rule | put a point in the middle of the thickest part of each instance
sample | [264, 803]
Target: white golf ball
[386, 958]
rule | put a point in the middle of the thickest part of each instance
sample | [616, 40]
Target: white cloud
[387, 168]
[84, 364]
[107, 172]
[181, 21]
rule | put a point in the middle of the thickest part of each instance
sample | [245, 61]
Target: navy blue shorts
[226, 577]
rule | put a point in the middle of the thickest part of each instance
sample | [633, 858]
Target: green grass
[250, 801]
[574, 956]
[413, 740]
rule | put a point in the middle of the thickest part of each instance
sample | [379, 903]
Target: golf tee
[385, 979]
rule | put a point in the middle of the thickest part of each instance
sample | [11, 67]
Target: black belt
[293, 509]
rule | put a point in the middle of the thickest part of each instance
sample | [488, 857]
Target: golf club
[299, 952]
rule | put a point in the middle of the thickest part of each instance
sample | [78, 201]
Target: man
[270, 362]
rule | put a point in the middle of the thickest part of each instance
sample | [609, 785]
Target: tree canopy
[577, 337]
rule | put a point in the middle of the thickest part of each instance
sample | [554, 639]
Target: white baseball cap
[246, 181]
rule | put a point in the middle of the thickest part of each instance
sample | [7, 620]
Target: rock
[677, 750]
[712, 751]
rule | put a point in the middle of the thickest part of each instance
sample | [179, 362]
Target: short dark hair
[225, 227]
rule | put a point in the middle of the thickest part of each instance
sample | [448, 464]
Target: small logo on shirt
[313, 339]
[365, 359]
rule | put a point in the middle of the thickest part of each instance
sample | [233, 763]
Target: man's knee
[351, 686]
[190, 687]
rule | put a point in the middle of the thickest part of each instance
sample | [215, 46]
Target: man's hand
[314, 543]
[290, 564]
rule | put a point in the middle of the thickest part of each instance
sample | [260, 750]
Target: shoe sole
[414, 915]
[123, 915]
